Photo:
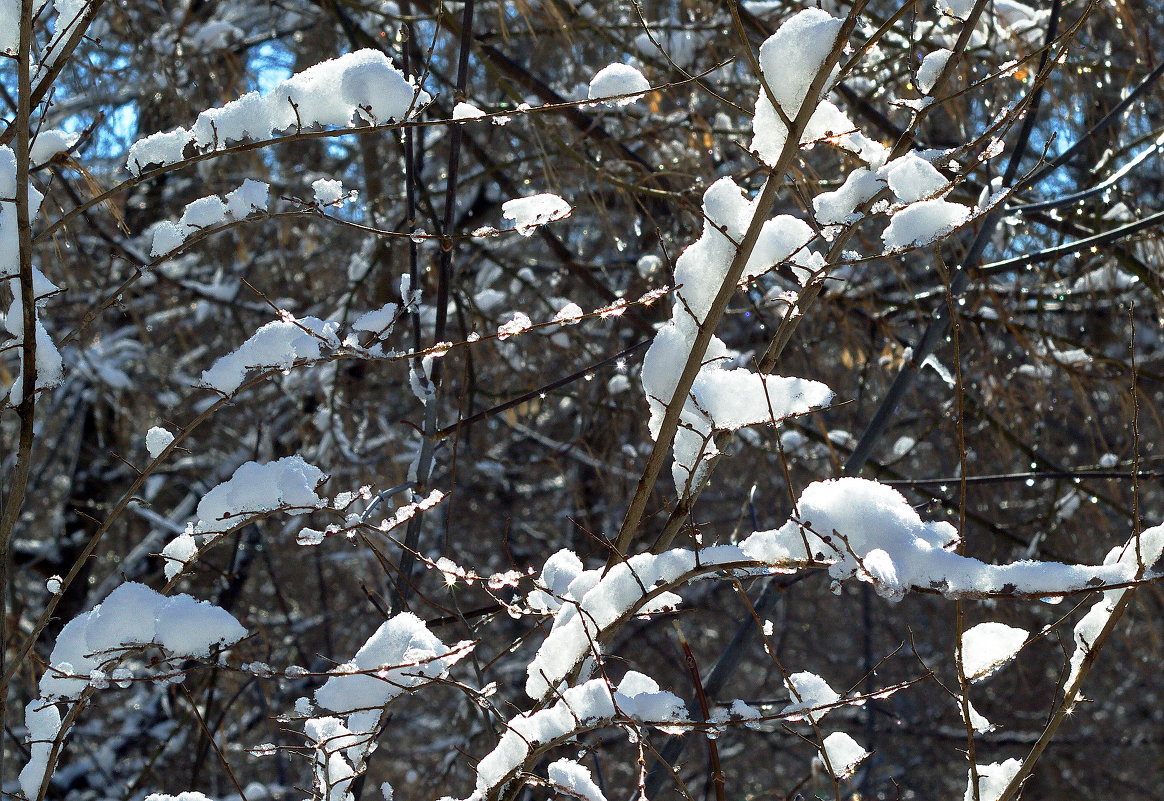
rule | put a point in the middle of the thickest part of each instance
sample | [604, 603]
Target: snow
[648, 265]
[922, 222]
[400, 655]
[466, 111]
[741, 710]
[1108, 278]
[530, 212]
[828, 123]
[328, 191]
[598, 601]
[782, 238]
[68, 658]
[44, 726]
[157, 440]
[68, 11]
[988, 646]
[960, 9]
[723, 398]
[868, 531]
[10, 31]
[1136, 555]
[377, 320]
[903, 446]
[255, 488]
[992, 780]
[569, 314]
[790, 60]
[178, 553]
[553, 584]
[378, 90]
[48, 142]
[167, 237]
[680, 45]
[580, 706]
[133, 615]
[188, 626]
[1020, 19]
[159, 149]
[930, 68]
[912, 178]
[587, 705]
[9, 240]
[838, 206]
[127, 616]
[278, 344]
[809, 694]
[844, 754]
[639, 697]
[977, 721]
[207, 212]
[618, 79]
[361, 86]
[737, 398]
[204, 212]
[573, 779]
[213, 35]
[334, 774]
[50, 366]
[517, 324]
[251, 196]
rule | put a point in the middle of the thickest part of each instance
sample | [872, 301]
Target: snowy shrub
[498, 401]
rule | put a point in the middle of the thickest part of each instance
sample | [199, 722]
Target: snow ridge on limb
[789, 61]
[689, 478]
[723, 398]
[132, 616]
[49, 362]
[361, 86]
[601, 600]
[401, 656]
[207, 212]
[617, 80]
[866, 530]
[278, 344]
[590, 705]
[1138, 555]
[854, 527]
[254, 490]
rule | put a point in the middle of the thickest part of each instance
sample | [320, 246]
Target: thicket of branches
[1003, 374]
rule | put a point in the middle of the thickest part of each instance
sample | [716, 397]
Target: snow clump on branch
[615, 80]
[530, 212]
[723, 398]
[362, 86]
[254, 490]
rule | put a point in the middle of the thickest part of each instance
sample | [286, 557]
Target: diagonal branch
[763, 209]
